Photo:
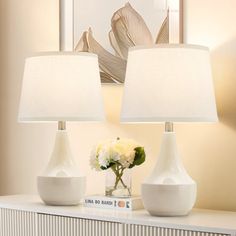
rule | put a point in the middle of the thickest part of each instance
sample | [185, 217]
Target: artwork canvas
[108, 28]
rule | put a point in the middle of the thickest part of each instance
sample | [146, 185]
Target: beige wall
[208, 150]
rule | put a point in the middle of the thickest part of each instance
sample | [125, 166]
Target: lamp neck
[61, 125]
[169, 127]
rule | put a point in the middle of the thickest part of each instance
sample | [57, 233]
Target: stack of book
[124, 204]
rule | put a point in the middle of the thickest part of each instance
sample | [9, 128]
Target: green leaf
[103, 168]
[110, 165]
[139, 158]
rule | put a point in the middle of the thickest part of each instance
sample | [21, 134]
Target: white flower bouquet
[117, 155]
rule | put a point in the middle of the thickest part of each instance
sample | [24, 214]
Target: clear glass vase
[118, 182]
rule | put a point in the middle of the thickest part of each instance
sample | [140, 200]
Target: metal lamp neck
[169, 127]
[61, 125]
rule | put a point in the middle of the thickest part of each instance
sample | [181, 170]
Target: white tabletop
[198, 220]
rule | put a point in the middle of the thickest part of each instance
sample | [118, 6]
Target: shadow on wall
[224, 69]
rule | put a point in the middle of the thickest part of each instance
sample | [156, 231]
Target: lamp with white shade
[60, 87]
[169, 83]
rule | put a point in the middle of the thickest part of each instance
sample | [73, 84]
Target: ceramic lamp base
[169, 190]
[61, 183]
[61, 191]
[168, 200]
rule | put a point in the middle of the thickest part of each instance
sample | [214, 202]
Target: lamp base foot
[168, 200]
[61, 191]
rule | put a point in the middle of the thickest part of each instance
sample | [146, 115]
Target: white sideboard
[23, 215]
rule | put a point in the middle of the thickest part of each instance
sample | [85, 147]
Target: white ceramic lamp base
[169, 190]
[62, 182]
[61, 191]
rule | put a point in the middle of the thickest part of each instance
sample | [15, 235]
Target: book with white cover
[124, 204]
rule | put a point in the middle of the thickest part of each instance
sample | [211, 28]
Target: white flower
[97, 159]
[125, 149]
[104, 157]
[94, 160]
[127, 159]
[107, 152]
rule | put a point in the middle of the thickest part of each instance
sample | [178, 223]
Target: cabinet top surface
[197, 220]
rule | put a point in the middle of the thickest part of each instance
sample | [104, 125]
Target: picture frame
[93, 26]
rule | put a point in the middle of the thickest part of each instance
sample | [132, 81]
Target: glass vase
[118, 182]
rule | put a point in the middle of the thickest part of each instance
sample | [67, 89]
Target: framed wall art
[108, 28]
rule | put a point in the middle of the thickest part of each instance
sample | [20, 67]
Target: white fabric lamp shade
[61, 87]
[169, 83]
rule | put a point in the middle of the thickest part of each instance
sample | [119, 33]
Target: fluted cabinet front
[142, 230]
[51, 225]
[27, 223]
[17, 223]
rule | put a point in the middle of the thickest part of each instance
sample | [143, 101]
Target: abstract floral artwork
[112, 30]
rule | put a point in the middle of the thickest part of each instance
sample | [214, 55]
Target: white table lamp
[60, 87]
[169, 83]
